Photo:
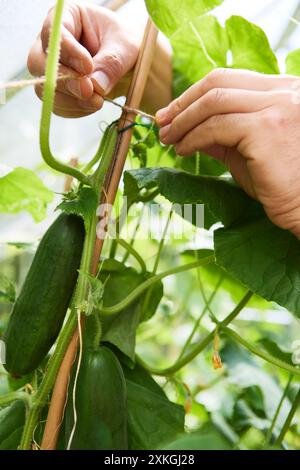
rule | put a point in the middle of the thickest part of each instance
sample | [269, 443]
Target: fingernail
[103, 81]
[162, 115]
[74, 87]
[164, 132]
[77, 64]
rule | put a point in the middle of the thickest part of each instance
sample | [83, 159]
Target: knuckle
[177, 106]
[213, 77]
[216, 95]
[114, 65]
[274, 119]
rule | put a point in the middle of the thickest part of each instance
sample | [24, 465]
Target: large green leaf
[293, 63]
[120, 329]
[21, 189]
[168, 16]
[152, 418]
[223, 198]
[212, 273]
[250, 46]
[82, 203]
[207, 438]
[199, 47]
[263, 257]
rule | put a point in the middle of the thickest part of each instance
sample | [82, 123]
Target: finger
[228, 130]
[215, 101]
[73, 54]
[111, 63]
[67, 106]
[222, 78]
[80, 87]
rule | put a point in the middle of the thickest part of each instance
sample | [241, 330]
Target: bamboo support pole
[134, 97]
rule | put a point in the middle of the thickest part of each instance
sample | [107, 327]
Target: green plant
[252, 264]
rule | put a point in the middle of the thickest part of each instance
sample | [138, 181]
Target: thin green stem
[157, 259]
[197, 323]
[48, 99]
[107, 311]
[274, 420]
[13, 396]
[129, 248]
[161, 243]
[131, 242]
[179, 364]
[289, 420]
[258, 352]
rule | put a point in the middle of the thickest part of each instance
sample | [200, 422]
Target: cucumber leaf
[199, 47]
[22, 190]
[250, 47]
[206, 438]
[168, 16]
[223, 198]
[152, 418]
[293, 63]
[82, 203]
[260, 255]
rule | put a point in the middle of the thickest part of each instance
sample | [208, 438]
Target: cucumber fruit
[101, 403]
[39, 311]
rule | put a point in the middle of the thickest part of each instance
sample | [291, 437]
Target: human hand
[96, 47]
[251, 122]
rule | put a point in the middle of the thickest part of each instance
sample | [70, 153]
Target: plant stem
[48, 99]
[162, 242]
[132, 240]
[41, 396]
[197, 323]
[289, 420]
[106, 311]
[133, 252]
[202, 345]
[157, 259]
[258, 352]
[274, 420]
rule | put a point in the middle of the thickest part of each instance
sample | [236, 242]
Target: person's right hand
[96, 46]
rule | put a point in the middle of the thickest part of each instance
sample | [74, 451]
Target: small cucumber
[101, 403]
[39, 311]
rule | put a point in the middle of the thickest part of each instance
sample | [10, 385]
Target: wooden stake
[136, 90]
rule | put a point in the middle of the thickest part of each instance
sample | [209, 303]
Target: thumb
[110, 65]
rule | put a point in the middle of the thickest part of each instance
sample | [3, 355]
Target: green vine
[48, 99]
[107, 311]
[183, 361]
[258, 352]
